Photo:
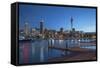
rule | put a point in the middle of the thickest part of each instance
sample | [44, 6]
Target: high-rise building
[26, 29]
[41, 26]
[71, 20]
[61, 30]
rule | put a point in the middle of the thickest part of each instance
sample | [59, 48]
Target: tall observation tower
[41, 26]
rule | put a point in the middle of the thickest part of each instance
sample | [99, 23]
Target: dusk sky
[84, 19]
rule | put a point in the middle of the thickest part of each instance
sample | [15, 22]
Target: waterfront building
[90, 35]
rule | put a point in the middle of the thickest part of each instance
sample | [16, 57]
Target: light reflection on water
[38, 51]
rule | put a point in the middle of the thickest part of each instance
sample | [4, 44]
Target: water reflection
[38, 51]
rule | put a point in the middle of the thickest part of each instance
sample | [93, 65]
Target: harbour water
[37, 51]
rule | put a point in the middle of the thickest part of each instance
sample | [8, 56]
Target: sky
[54, 17]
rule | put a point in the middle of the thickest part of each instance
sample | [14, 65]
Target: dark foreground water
[37, 51]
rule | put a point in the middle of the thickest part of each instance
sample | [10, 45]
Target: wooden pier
[75, 49]
[82, 54]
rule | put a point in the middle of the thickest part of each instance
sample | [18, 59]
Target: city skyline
[84, 19]
[55, 33]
